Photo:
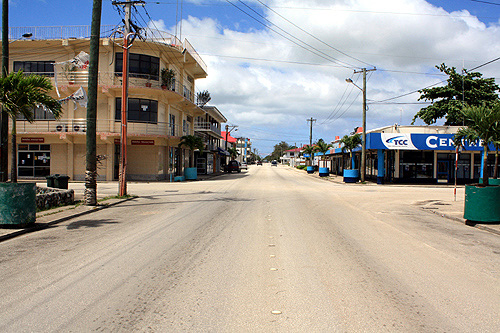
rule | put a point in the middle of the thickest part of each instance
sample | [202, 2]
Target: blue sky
[269, 86]
[70, 12]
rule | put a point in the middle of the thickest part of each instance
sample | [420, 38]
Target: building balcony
[103, 126]
[79, 32]
[113, 80]
[208, 128]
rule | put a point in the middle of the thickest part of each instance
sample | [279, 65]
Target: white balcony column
[71, 158]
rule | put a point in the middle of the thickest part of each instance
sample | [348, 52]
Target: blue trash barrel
[324, 172]
[351, 176]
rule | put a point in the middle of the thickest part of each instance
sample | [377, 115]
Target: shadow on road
[89, 224]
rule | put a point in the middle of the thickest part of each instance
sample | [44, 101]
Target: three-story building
[158, 114]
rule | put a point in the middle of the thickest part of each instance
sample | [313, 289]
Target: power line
[309, 34]
[432, 85]
[318, 53]
[486, 2]
[342, 10]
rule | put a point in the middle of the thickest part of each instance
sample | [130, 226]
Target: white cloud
[396, 35]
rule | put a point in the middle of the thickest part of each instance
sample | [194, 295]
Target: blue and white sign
[407, 141]
[397, 141]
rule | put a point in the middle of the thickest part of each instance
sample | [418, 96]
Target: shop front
[424, 158]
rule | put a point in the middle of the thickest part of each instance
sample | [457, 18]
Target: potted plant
[481, 200]
[323, 147]
[167, 78]
[19, 94]
[192, 142]
[349, 143]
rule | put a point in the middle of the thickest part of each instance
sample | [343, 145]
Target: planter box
[482, 203]
[17, 204]
[191, 173]
[324, 172]
[351, 176]
[310, 169]
[491, 181]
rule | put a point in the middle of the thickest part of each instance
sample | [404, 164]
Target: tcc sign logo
[397, 141]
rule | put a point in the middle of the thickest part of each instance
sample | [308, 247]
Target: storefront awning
[222, 151]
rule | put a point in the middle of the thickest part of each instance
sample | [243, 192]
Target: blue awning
[222, 151]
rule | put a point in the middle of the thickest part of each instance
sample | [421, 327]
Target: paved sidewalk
[444, 206]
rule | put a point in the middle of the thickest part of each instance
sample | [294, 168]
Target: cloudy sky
[272, 64]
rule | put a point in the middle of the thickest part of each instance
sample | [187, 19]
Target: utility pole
[124, 106]
[312, 120]
[233, 127]
[363, 145]
[4, 118]
[90, 194]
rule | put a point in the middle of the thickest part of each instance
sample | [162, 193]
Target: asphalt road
[267, 250]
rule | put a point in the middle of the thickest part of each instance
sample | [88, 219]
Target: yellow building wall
[142, 162]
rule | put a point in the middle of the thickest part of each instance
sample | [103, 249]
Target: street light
[234, 127]
[363, 144]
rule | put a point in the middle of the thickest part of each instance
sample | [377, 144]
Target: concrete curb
[41, 226]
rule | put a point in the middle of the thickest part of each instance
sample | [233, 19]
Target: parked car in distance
[259, 162]
[274, 163]
[232, 166]
[244, 166]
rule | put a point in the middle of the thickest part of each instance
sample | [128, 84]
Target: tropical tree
[484, 126]
[19, 94]
[322, 147]
[349, 143]
[467, 89]
[202, 98]
[192, 142]
[278, 150]
[309, 150]
[233, 152]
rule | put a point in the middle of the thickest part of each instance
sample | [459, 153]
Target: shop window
[139, 110]
[416, 164]
[33, 160]
[140, 65]
[45, 68]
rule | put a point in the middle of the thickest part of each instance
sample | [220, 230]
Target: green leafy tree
[309, 150]
[322, 147]
[484, 124]
[19, 94]
[349, 143]
[192, 142]
[278, 151]
[461, 90]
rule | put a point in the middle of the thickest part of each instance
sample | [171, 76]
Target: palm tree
[19, 94]
[484, 124]
[349, 143]
[203, 97]
[322, 147]
[233, 152]
[192, 142]
[310, 151]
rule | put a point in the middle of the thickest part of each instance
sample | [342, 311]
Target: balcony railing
[83, 31]
[114, 79]
[76, 126]
[205, 126]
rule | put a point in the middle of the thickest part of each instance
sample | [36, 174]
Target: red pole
[456, 169]
[123, 137]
